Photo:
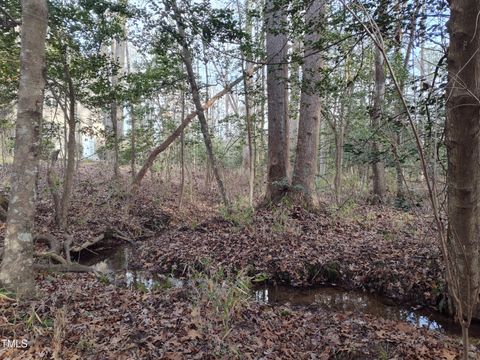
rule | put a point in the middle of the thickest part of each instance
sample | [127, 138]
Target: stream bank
[114, 264]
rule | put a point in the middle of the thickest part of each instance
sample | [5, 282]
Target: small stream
[113, 263]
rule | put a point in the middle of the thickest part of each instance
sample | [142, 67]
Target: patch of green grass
[162, 285]
[103, 278]
[385, 352]
[280, 219]
[240, 213]
[7, 295]
[140, 286]
[331, 271]
[260, 278]
[388, 235]
[225, 294]
[85, 344]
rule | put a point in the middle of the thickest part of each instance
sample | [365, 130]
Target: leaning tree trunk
[463, 149]
[178, 131]
[277, 99]
[378, 167]
[187, 60]
[309, 123]
[16, 273]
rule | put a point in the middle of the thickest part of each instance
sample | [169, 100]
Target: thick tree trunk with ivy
[16, 273]
[378, 166]
[277, 99]
[309, 122]
[463, 149]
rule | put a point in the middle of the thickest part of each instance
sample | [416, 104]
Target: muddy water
[114, 264]
[336, 299]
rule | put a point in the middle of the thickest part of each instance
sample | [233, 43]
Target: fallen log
[88, 244]
[107, 234]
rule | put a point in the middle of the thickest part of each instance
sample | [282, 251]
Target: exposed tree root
[73, 267]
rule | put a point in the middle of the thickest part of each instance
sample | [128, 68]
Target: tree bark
[133, 123]
[400, 180]
[16, 273]
[247, 85]
[463, 151]
[182, 156]
[71, 147]
[310, 105]
[277, 99]
[378, 167]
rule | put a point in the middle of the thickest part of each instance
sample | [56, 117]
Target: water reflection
[114, 264]
[335, 299]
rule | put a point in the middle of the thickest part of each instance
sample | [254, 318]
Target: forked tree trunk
[309, 123]
[463, 150]
[277, 98]
[16, 273]
[378, 166]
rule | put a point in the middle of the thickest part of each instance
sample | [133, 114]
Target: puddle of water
[358, 302]
[114, 263]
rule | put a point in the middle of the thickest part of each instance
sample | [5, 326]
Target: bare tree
[16, 272]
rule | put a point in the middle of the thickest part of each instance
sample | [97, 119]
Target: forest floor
[360, 247]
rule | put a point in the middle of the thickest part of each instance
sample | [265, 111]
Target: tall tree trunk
[309, 122]
[277, 99]
[463, 150]
[399, 106]
[114, 120]
[251, 156]
[116, 147]
[182, 155]
[16, 273]
[294, 100]
[187, 60]
[133, 122]
[247, 85]
[71, 147]
[378, 167]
